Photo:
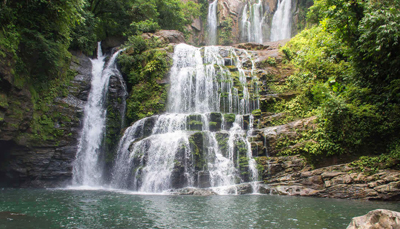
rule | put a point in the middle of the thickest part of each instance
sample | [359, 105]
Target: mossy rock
[229, 119]
[196, 142]
[222, 139]
[178, 179]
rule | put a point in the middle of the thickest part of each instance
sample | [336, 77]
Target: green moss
[3, 101]
[225, 34]
[256, 113]
[229, 117]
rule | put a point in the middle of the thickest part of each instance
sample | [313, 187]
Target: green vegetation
[226, 31]
[145, 63]
[36, 36]
[348, 77]
[116, 18]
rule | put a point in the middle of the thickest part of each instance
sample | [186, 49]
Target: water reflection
[105, 209]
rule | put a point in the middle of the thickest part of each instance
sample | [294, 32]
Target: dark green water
[105, 209]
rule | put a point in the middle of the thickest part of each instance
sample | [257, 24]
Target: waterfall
[252, 22]
[281, 22]
[212, 23]
[88, 169]
[194, 144]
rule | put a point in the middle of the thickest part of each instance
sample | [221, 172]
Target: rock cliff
[27, 161]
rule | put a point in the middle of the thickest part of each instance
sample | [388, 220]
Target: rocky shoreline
[292, 176]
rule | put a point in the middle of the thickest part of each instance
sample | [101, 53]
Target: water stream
[281, 22]
[252, 22]
[212, 23]
[88, 166]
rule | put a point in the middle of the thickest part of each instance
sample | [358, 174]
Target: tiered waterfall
[202, 139]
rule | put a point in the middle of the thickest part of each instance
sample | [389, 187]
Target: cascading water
[88, 169]
[212, 23]
[252, 22]
[281, 22]
[201, 140]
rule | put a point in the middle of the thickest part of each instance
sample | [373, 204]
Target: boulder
[376, 219]
[172, 36]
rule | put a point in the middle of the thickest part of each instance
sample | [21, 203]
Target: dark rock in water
[193, 192]
[149, 125]
[11, 215]
[203, 179]
[194, 122]
[376, 219]
[215, 121]
[244, 189]
[246, 122]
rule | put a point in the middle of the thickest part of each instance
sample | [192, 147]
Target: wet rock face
[45, 163]
[377, 219]
[115, 105]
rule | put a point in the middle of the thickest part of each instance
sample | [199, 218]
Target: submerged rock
[193, 192]
[376, 219]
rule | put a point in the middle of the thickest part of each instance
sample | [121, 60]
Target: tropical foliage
[349, 77]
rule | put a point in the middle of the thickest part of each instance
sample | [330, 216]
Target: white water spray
[252, 22]
[88, 167]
